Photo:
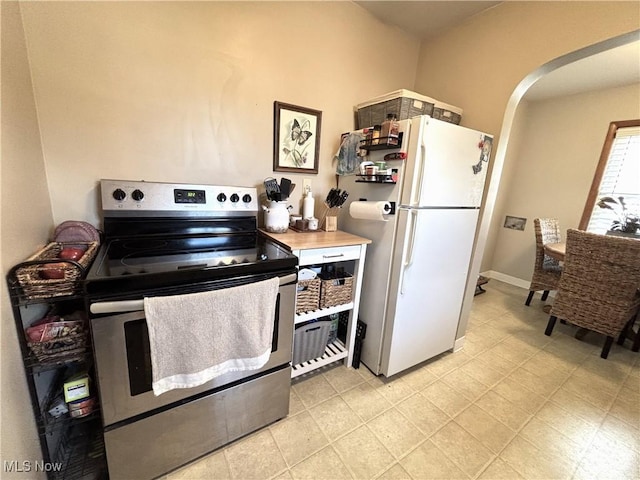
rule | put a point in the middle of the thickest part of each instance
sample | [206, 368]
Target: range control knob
[246, 198]
[137, 195]
[119, 194]
[235, 198]
[222, 197]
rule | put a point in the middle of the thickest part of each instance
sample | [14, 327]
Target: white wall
[26, 220]
[184, 91]
[552, 167]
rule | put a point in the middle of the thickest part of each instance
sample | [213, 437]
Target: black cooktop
[140, 263]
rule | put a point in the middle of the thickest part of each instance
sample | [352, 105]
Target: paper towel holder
[392, 205]
[392, 211]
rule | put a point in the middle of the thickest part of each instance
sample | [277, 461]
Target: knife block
[331, 223]
[329, 219]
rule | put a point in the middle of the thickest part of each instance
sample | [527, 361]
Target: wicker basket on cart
[336, 291]
[32, 273]
[307, 295]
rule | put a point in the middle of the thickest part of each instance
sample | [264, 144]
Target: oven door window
[139, 356]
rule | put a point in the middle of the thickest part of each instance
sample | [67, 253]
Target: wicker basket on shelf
[32, 274]
[307, 295]
[69, 339]
[336, 291]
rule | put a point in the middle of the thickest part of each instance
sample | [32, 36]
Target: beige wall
[508, 178]
[552, 167]
[184, 92]
[163, 91]
[26, 220]
[478, 64]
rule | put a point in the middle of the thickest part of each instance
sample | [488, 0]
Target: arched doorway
[530, 84]
[489, 224]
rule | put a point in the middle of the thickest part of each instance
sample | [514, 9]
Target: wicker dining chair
[547, 270]
[599, 288]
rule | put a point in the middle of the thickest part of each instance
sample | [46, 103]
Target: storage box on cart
[310, 340]
[404, 103]
[447, 113]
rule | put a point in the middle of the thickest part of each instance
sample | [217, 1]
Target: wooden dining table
[559, 250]
[556, 250]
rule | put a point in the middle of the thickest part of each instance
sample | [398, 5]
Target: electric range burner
[137, 257]
[156, 239]
[131, 265]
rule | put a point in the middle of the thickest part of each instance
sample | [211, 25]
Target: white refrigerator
[419, 262]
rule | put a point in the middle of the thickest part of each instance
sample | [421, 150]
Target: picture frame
[514, 223]
[296, 138]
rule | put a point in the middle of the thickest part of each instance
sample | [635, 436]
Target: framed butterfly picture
[296, 138]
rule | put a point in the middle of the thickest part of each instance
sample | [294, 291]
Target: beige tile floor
[513, 404]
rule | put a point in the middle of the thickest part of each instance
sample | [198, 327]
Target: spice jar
[389, 130]
[375, 135]
[368, 132]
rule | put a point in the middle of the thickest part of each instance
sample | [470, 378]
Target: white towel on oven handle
[197, 337]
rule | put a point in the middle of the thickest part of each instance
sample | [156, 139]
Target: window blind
[621, 178]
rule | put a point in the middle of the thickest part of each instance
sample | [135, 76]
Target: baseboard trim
[503, 277]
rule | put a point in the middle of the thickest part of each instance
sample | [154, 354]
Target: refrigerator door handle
[409, 259]
[422, 159]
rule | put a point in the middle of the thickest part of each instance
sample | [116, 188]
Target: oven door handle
[117, 307]
[292, 277]
[138, 305]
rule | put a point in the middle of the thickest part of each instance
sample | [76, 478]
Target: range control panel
[127, 198]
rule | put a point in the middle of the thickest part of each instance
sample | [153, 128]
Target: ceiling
[426, 19]
[614, 68]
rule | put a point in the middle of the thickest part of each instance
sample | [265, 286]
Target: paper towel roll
[370, 210]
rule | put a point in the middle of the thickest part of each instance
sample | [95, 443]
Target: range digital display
[189, 196]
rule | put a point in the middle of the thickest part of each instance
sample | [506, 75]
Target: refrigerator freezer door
[448, 165]
[428, 279]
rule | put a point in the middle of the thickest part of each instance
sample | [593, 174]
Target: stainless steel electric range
[173, 239]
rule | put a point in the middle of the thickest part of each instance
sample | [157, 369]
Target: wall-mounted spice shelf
[381, 144]
[378, 178]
